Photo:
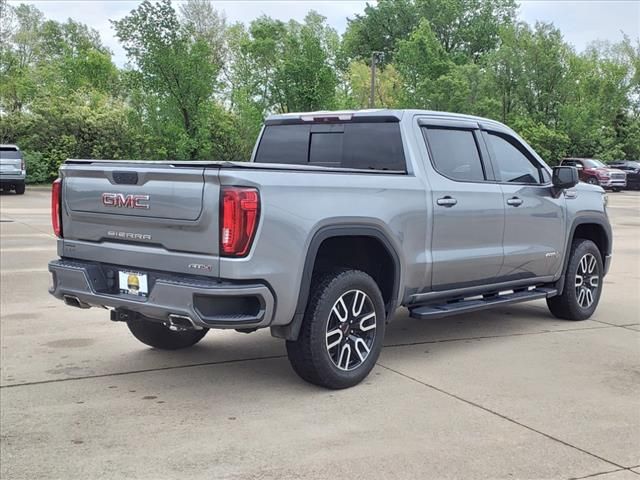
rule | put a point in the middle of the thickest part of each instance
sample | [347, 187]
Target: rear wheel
[157, 335]
[342, 330]
[583, 284]
[20, 188]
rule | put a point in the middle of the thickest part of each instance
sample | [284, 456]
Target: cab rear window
[369, 146]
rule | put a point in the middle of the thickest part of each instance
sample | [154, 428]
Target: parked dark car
[632, 169]
[596, 172]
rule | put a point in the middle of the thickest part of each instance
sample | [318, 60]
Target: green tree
[421, 60]
[598, 105]
[171, 64]
[85, 125]
[388, 87]
[19, 52]
[379, 29]
[552, 145]
[205, 23]
[73, 57]
[466, 29]
[305, 77]
[281, 67]
[196, 88]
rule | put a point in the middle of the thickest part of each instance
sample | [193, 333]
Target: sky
[580, 21]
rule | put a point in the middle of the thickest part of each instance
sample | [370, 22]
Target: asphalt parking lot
[509, 393]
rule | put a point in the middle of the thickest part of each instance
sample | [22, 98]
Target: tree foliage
[195, 87]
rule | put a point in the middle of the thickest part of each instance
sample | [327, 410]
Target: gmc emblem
[127, 201]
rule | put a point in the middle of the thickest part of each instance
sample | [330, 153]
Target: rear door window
[364, 145]
[454, 153]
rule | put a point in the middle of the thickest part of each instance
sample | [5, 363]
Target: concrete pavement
[508, 393]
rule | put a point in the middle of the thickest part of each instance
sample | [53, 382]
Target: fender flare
[291, 330]
[584, 220]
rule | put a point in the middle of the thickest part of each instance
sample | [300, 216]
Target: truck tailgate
[157, 205]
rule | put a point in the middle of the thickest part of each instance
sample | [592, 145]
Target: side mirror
[564, 177]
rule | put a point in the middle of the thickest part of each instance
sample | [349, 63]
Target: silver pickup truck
[339, 219]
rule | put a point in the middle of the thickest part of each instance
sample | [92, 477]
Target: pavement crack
[500, 415]
[626, 325]
[39, 230]
[483, 337]
[144, 370]
[605, 473]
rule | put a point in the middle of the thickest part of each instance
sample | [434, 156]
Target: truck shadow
[258, 352]
[498, 322]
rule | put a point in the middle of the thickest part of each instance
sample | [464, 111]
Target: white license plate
[133, 283]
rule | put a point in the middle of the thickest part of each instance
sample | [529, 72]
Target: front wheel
[342, 330]
[593, 181]
[157, 335]
[583, 283]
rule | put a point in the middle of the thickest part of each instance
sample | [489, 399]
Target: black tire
[156, 335]
[567, 306]
[311, 356]
[20, 188]
[593, 181]
[616, 189]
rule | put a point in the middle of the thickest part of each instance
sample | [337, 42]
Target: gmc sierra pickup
[339, 219]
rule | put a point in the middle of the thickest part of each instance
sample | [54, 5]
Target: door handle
[514, 202]
[447, 201]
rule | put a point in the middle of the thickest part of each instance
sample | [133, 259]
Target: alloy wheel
[351, 330]
[587, 280]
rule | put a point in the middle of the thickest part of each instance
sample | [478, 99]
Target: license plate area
[133, 283]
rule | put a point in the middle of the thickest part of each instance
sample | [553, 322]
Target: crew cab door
[468, 208]
[535, 224]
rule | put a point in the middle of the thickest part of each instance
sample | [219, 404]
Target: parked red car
[597, 173]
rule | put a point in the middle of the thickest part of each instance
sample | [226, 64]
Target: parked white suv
[12, 169]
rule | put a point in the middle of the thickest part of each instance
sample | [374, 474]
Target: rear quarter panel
[296, 205]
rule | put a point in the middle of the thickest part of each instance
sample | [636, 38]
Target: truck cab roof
[375, 113]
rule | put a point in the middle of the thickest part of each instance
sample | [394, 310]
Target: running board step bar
[440, 310]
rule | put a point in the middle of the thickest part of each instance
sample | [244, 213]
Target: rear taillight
[56, 207]
[22, 164]
[239, 213]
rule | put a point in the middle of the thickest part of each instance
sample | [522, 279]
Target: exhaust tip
[74, 301]
[182, 322]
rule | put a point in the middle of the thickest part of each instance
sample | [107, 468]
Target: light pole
[375, 55]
